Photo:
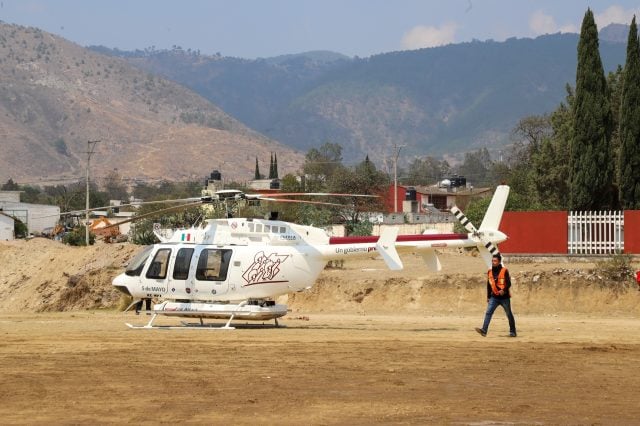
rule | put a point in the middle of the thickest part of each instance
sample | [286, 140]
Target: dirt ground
[363, 346]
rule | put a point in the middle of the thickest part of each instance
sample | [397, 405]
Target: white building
[37, 217]
[6, 227]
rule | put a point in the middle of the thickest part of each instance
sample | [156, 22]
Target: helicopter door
[156, 276]
[180, 279]
[211, 273]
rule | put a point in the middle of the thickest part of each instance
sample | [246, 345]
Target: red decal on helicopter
[264, 268]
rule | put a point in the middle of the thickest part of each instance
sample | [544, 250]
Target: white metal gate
[596, 232]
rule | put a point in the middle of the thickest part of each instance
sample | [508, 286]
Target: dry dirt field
[364, 346]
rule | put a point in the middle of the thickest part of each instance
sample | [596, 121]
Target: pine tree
[275, 165]
[271, 167]
[591, 163]
[629, 156]
[256, 175]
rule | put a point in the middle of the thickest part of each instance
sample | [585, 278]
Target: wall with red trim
[632, 231]
[535, 232]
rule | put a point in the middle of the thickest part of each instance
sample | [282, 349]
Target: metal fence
[596, 232]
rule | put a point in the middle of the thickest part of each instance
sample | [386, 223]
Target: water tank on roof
[215, 175]
[459, 181]
[410, 195]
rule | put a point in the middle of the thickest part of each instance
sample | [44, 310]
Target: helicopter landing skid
[241, 311]
[184, 326]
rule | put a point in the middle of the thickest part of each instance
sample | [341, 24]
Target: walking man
[498, 294]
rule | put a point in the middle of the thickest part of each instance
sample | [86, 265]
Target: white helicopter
[235, 268]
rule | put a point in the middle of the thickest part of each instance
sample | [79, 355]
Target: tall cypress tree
[271, 167]
[256, 175]
[591, 163]
[629, 157]
[275, 165]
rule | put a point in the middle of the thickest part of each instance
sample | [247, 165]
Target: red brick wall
[535, 232]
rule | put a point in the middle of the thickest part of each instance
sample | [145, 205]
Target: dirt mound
[43, 275]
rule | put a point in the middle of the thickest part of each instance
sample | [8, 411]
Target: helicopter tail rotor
[488, 235]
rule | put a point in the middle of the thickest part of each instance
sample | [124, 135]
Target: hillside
[56, 95]
[440, 100]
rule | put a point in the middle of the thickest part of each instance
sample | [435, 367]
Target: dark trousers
[147, 303]
[492, 306]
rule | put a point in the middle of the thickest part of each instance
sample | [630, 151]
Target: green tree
[34, 195]
[114, 187]
[427, 171]
[591, 173]
[363, 179]
[533, 129]
[68, 197]
[290, 212]
[256, 174]
[77, 237]
[10, 185]
[320, 164]
[614, 85]
[275, 165]
[476, 167]
[271, 167]
[166, 190]
[629, 130]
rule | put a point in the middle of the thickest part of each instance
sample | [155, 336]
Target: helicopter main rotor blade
[155, 213]
[178, 200]
[285, 200]
[311, 194]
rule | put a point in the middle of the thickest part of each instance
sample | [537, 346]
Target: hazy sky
[264, 28]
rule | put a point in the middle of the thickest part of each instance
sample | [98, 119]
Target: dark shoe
[481, 331]
[513, 335]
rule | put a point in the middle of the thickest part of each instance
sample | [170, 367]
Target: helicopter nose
[120, 283]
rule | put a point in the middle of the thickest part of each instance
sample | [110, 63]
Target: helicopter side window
[213, 265]
[134, 269]
[181, 267]
[258, 227]
[158, 268]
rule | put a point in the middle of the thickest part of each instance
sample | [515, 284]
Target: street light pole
[91, 145]
[395, 177]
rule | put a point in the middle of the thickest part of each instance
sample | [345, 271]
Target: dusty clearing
[363, 346]
[329, 369]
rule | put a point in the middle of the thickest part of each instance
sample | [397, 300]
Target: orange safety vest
[501, 284]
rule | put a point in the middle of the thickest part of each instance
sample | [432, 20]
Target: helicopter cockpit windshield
[134, 269]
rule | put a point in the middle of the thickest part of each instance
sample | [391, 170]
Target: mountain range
[437, 101]
[178, 114]
[55, 96]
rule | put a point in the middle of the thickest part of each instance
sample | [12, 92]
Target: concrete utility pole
[395, 177]
[91, 145]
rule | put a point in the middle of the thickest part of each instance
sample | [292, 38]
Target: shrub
[77, 237]
[617, 268]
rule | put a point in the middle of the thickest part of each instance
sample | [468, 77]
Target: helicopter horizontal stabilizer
[431, 260]
[386, 246]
